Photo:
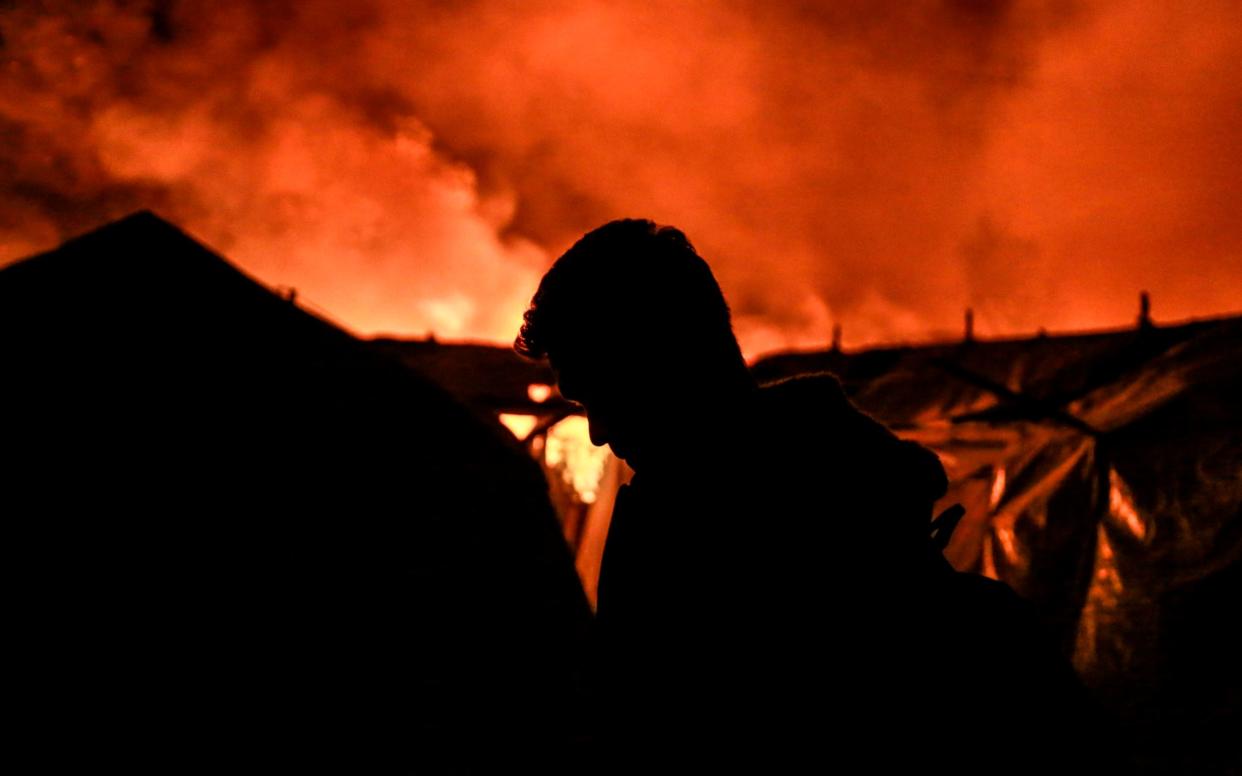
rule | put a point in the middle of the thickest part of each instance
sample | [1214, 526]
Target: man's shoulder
[819, 442]
[809, 421]
[812, 387]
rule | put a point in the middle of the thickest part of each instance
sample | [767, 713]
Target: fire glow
[413, 167]
[567, 451]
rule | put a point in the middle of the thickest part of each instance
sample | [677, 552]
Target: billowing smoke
[250, 125]
[413, 166]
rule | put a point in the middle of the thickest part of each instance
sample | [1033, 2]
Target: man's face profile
[637, 332]
[612, 399]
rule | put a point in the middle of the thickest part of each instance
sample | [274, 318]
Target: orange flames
[413, 167]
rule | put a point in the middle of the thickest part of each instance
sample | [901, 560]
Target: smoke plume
[412, 167]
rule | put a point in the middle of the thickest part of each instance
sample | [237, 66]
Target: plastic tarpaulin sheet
[1126, 532]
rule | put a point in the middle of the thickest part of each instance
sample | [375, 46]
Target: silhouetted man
[763, 593]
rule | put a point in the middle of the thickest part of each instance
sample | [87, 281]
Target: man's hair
[629, 281]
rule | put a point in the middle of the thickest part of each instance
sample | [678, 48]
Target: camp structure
[1102, 479]
[240, 538]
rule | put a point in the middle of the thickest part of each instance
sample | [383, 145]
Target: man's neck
[726, 394]
[711, 418]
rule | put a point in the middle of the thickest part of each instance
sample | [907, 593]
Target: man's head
[637, 330]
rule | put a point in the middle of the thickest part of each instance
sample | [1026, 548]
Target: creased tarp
[1172, 509]
[1127, 536]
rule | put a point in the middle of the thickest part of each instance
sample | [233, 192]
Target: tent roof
[344, 545]
[1032, 379]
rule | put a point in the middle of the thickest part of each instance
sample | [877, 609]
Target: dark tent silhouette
[242, 537]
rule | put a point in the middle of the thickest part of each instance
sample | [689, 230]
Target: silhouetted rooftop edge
[139, 247]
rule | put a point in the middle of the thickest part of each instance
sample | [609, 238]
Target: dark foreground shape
[770, 599]
[240, 539]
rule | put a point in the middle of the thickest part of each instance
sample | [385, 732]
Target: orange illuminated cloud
[414, 167]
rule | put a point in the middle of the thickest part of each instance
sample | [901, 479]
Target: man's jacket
[775, 595]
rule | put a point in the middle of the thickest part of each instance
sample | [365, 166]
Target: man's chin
[632, 458]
